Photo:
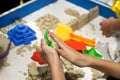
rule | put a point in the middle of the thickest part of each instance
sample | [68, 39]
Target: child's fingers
[39, 49]
[43, 42]
[58, 40]
[61, 52]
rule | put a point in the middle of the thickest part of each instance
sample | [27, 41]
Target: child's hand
[106, 27]
[69, 53]
[48, 54]
[51, 57]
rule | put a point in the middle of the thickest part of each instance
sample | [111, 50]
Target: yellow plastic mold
[63, 31]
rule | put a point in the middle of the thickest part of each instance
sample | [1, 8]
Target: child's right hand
[70, 54]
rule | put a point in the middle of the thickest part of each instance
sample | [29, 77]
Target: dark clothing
[6, 5]
[111, 78]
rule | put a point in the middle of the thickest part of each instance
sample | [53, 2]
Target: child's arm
[108, 67]
[57, 71]
[81, 60]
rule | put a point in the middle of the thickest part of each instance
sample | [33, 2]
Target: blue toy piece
[21, 34]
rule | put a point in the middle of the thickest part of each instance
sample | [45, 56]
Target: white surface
[18, 63]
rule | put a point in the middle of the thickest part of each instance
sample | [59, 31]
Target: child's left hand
[48, 54]
[106, 26]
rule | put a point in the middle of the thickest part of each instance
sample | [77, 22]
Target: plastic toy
[36, 57]
[21, 2]
[21, 34]
[79, 46]
[92, 52]
[63, 31]
[48, 41]
[116, 8]
[87, 41]
[6, 52]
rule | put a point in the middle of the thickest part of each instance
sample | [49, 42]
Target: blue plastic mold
[21, 34]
